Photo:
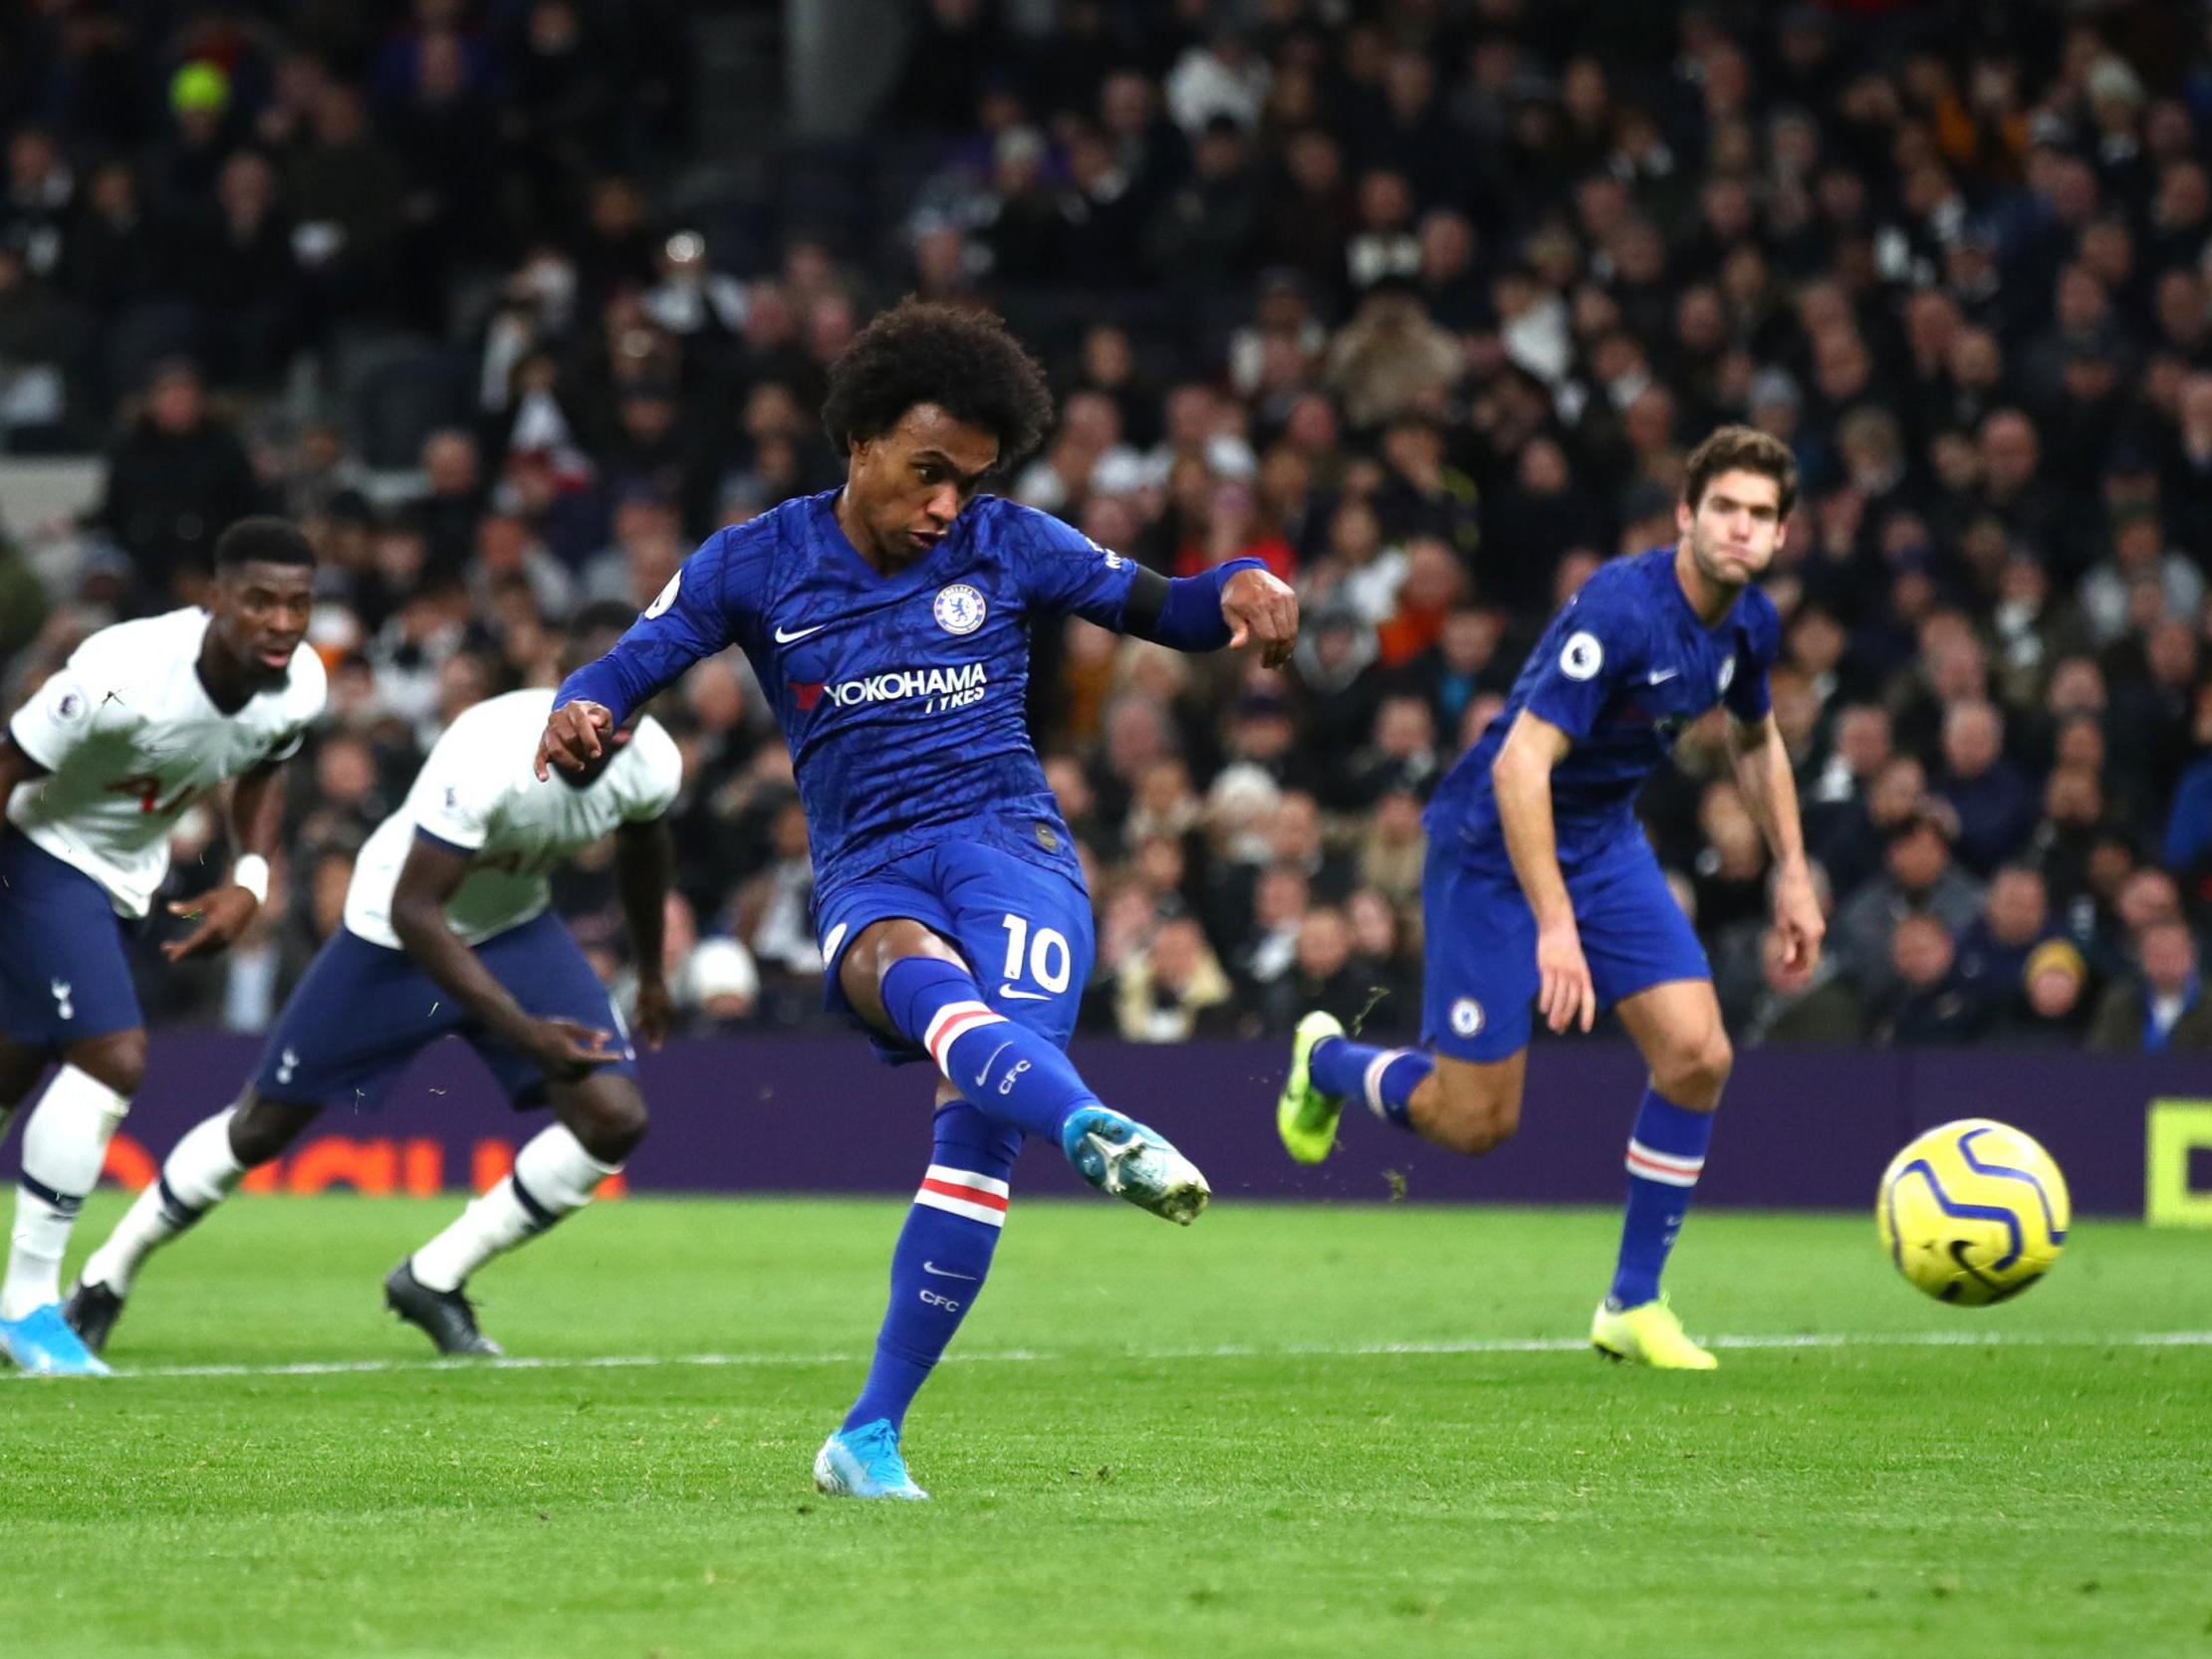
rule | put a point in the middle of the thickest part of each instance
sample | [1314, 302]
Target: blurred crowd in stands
[1423, 302]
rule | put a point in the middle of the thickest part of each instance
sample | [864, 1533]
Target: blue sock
[1012, 1075]
[1384, 1077]
[942, 1256]
[1666, 1153]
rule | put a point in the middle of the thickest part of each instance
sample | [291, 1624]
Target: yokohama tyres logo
[943, 688]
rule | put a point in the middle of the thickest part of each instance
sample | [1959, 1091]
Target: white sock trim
[962, 1192]
[198, 1174]
[1668, 1168]
[552, 1172]
[1371, 1083]
[66, 1141]
[64, 1144]
[951, 1023]
[553, 1169]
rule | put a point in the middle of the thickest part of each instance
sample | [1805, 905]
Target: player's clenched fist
[1258, 607]
[573, 741]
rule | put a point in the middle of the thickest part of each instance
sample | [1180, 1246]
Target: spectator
[176, 478]
[1324, 975]
[1794, 1008]
[1393, 988]
[2051, 1006]
[2140, 555]
[1278, 913]
[2163, 1009]
[1919, 879]
[1995, 803]
[1174, 990]
[1994, 948]
[2188, 834]
[1926, 1002]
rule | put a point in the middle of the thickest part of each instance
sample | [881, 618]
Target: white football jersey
[129, 739]
[479, 792]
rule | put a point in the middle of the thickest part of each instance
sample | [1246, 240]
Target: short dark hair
[919, 352]
[1741, 450]
[263, 539]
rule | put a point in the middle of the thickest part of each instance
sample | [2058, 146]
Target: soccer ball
[1972, 1212]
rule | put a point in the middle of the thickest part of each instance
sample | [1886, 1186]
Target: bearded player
[143, 720]
[888, 624]
[1540, 885]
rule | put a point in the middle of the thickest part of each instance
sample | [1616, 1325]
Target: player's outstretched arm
[1233, 605]
[644, 868]
[432, 874]
[1521, 776]
[1236, 603]
[1769, 792]
[696, 615]
[256, 826]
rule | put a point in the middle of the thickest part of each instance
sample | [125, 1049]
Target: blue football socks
[1013, 1075]
[1384, 1077]
[943, 1254]
[1666, 1153]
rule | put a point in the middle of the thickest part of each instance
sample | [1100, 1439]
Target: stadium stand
[1422, 303]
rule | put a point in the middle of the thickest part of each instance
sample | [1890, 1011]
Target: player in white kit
[143, 720]
[448, 932]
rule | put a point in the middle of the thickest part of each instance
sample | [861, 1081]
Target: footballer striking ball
[1972, 1212]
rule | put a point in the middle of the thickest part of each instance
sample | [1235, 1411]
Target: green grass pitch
[1288, 1431]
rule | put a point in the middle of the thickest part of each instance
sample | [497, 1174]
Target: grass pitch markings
[1225, 1350]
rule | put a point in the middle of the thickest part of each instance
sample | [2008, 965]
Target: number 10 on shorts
[1044, 950]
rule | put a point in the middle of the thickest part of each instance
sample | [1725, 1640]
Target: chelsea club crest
[960, 609]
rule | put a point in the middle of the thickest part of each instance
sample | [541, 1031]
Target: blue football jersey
[1622, 668]
[902, 696]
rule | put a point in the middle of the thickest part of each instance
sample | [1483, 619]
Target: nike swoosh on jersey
[785, 639]
[1660, 677]
[1025, 996]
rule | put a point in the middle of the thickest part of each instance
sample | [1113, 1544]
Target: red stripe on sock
[974, 1195]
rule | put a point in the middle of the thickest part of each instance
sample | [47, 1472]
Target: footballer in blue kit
[1542, 893]
[888, 622]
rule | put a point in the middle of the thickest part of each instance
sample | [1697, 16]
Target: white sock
[64, 1145]
[552, 1176]
[201, 1173]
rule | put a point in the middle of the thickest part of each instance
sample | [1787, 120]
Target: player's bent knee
[879, 946]
[1695, 1075]
[1474, 1116]
[1474, 1135]
[608, 1118]
[118, 1060]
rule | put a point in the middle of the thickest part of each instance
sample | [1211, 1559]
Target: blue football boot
[1120, 1155]
[865, 1463]
[42, 1343]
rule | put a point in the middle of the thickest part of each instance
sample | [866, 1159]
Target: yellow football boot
[1649, 1335]
[1304, 1118]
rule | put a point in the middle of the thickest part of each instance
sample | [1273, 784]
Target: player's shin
[942, 1256]
[1666, 1154]
[197, 1175]
[1015, 1075]
[554, 1176]
[1384, 1078]
[64, 1144]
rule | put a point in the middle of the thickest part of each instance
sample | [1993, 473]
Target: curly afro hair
[924, 353]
